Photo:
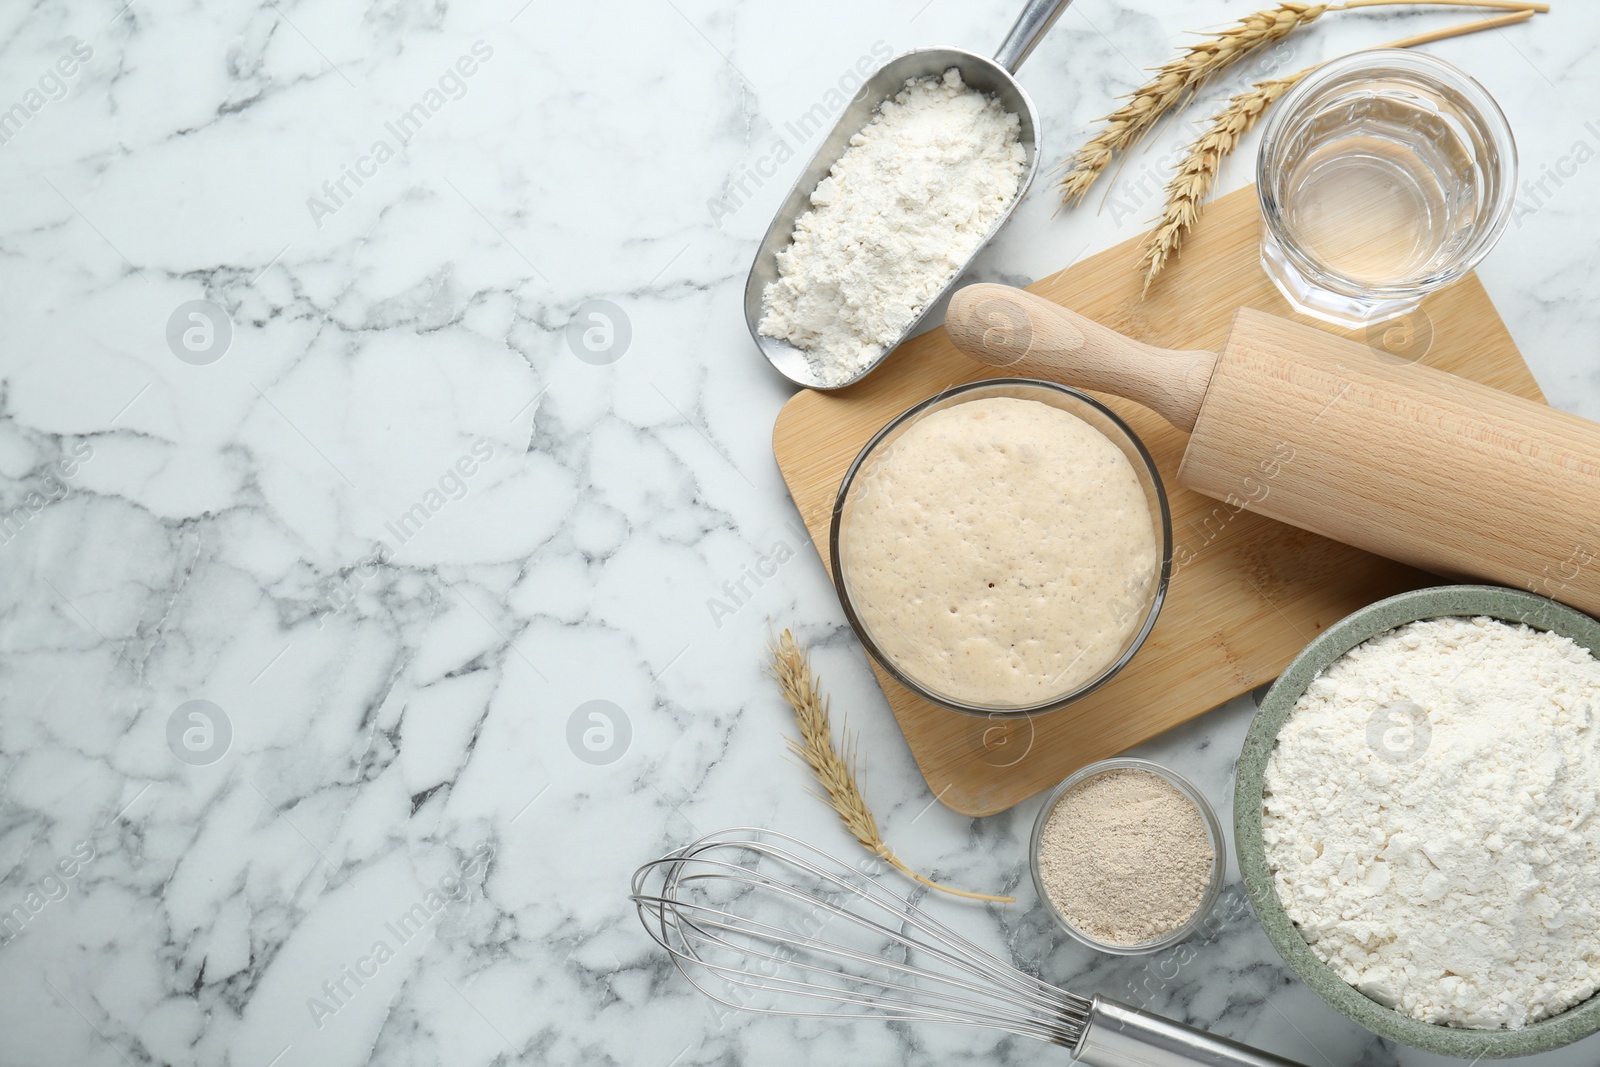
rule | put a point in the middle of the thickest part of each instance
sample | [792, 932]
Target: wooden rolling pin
[1326, 434]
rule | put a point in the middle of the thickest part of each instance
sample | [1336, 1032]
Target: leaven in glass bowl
[1066, 399]
[1219, 855]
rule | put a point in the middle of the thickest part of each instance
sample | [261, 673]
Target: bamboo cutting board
[1247, 593]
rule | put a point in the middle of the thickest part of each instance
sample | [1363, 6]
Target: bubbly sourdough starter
[1001, 552]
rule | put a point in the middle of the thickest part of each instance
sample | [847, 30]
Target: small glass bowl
[1461, 151]
[1219, 857]
[1066, 399]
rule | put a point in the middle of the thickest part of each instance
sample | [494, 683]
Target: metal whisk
[762, 922]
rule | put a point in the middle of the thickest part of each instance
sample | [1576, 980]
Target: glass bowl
[1066, 399]
[1219, 855]
[1437, 138]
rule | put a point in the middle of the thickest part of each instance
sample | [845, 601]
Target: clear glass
[1383, 176]
[1219, 858]
[1067, 399]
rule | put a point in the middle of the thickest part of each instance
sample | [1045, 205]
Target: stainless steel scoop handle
[1037, 17]
[1120, 1036]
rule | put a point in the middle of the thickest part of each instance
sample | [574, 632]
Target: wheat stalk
[1198, 172]
[1173, 83]
[1178, 80]
[835, 770]
[1203, 159]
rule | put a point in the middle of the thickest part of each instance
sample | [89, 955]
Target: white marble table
[375, 504]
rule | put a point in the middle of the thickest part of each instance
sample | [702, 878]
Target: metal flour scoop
[986, 75]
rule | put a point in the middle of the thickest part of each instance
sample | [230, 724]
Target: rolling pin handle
[1030, 336]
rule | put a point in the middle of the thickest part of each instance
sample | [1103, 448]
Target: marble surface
[361, 588]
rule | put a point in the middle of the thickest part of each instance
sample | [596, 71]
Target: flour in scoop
[1430, 820]
[913, 197]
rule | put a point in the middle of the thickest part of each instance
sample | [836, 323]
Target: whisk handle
[1120, 1036]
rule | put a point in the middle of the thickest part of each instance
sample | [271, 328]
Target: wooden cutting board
[1253, 591]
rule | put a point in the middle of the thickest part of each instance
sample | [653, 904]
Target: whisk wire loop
[905, 964]
[884, 1001]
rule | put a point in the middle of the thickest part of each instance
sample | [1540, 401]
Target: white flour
[912, 197]
[1446, 864]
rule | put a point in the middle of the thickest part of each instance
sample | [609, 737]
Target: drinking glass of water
[1383, 176]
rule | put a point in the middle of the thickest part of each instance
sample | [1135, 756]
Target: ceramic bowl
[1510, 605]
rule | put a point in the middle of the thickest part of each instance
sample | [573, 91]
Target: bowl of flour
[1416, 820]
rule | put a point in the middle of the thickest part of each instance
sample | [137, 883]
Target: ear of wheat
[1202, 161]
[1192, 183]
[1177, 81]
[835, 770]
